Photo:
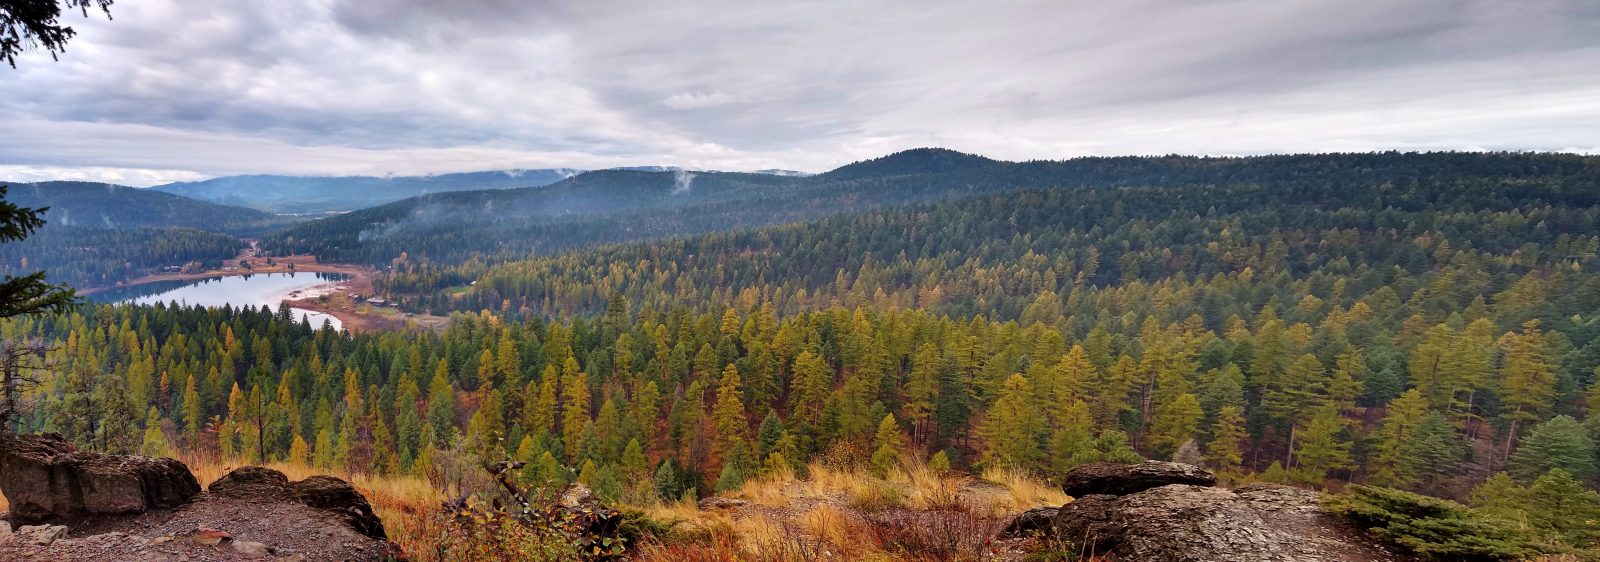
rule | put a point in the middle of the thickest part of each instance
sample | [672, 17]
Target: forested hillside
[97, 257]
[1424, 330]
[617, 206]
[103, 205]
[98, 234]
[594, 207]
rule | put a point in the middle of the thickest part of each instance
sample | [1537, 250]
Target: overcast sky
[173, 89]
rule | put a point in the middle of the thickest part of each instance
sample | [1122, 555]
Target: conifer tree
[193, 414]
[1112, 446]
[486, 429]
[1528, 379]
[155, 442]
[813, 379]
[383, 455]
[1322, 448]
[608, 431]
[1429, 367]
[575, 400]
[1011, 430]
[886, 446]
[1435, 451]
[587, 472]
[1389, 463]
[939, 463]
[299, 450]
[408, 425]
[230, 434]
[728, 412]
[540, 414]
[1072, 443]
[922, 388]
[1297, 392]
[634, 464]
[736, 469]
[441, 404]
[120, 426]
[1225, 451]
[1560, 505]
[1561, 443]
[646, 408]
[1175, 423]
[767, 435]
[549, 473]
[324, 456]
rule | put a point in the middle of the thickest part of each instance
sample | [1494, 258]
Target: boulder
[251, 549]
[326, 493]
[1032, 521]
[40, 534]
[1183, 523]
[337, 496]
[251, 482]
[577, 496]
[1089, 523]
[47, 480]
[1122, 479]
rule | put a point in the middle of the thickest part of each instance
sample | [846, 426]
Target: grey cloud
[408, 86]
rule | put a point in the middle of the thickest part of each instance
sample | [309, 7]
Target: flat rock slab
[1113, 479]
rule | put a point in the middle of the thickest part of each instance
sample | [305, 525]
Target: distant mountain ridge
[329, 194]
[322, 194]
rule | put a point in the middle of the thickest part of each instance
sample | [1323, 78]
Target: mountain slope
[590, 206]
[618, 205]
[102, 205]
[982, 255]
[97, 234]
[313, 194]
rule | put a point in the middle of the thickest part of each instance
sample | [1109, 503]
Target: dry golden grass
[850, 515]
[1024, 491]
[832, 513]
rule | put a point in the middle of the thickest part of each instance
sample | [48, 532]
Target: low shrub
[1433, 528]
[935, 535]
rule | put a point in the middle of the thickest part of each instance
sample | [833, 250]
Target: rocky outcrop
[326, 493]
[108, 507]
[251, 482]
[1123, 479]
[47, 480]
[340, 498]
[1032, 521]
[1151, 511]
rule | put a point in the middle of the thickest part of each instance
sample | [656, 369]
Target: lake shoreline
[299, 267]
[336, 301]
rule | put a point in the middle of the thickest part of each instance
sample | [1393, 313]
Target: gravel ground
[286, 529]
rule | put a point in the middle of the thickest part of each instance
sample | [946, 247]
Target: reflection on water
[255, 290]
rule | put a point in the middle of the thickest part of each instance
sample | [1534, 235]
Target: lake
[255, 290]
